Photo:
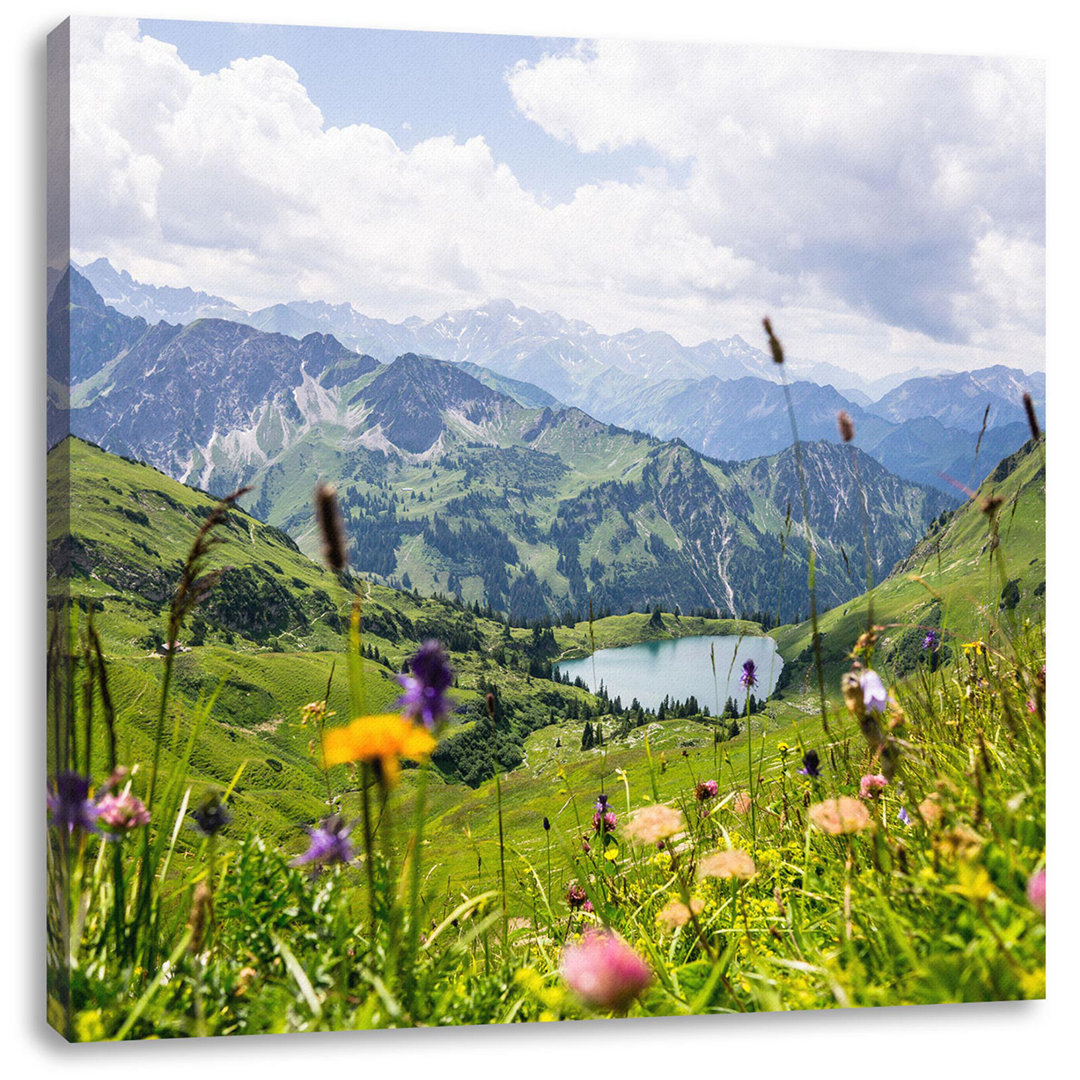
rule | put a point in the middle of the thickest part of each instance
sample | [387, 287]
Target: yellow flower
[382, 741]
[978, 646]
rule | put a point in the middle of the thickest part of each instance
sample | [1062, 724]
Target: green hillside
[263, 668]
[265, 641]
[979, 569]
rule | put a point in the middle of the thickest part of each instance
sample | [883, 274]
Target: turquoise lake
[678, 669]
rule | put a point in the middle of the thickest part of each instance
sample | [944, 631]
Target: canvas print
[539, 529]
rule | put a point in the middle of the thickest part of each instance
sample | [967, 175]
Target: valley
[452, 486]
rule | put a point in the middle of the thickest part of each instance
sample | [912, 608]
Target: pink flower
[604, 971]
[871, 784]
[1031, 705]
[119, 813]
[1036, 891]
[707, 789]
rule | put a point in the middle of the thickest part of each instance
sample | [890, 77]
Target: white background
[984, 1041]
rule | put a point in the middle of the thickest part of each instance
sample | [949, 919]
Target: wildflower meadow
[882, 843]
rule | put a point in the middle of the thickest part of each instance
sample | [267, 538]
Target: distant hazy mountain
[721, 397]
[532, 397]
[558, 355]
[741, 418]
[154, 302]
[959, 399]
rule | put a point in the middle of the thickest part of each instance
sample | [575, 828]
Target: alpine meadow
[564, 539]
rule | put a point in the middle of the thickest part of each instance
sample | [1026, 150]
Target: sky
[886, 210]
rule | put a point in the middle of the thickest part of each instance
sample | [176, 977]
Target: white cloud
[875, 173]
[818, 185]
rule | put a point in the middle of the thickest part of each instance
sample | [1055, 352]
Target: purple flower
[601, 803]
[210, 815]
[604, 971]
[811, 765]
[931, 640]
[329, 843]
[69, 803]
[748, 678]
[425, 689]
[576, 896]
[604, 821]
[875, 697]
[123, 812]
[903, 815]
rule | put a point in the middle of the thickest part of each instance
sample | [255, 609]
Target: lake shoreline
[619, 631]
[706, 668]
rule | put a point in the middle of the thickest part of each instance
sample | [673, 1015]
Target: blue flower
[70, 805]
[749, 674]
[931, 640]
[425, 698]
[811, 765]
[903, 815]
[329, 843]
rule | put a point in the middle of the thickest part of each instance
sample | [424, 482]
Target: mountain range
[722, 397]
[452, 485]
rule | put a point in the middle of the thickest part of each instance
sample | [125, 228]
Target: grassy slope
[561, 783]
[134, 526]
[955, 568]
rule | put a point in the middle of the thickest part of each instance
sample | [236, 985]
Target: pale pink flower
[727, 864]
[653, 823]
[839, 816]
[604, 971]
[871, 784]
[675, 913]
